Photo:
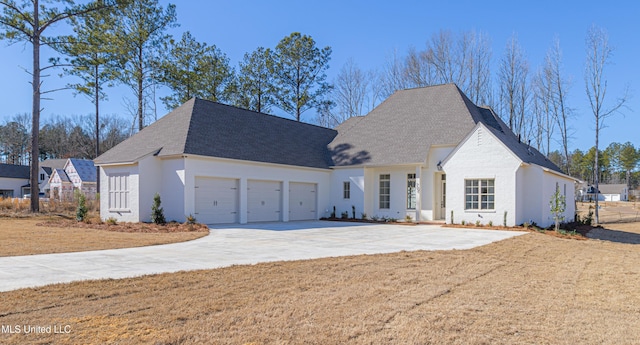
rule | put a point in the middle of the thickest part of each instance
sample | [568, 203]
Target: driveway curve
[239, 245]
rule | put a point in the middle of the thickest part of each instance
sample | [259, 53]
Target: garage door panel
[302, 201]
[216, 200]
[264, 201]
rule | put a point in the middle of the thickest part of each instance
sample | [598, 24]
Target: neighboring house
[13, 179]
[46, 170]
[426, 153]
[614, 192]
[76, 174]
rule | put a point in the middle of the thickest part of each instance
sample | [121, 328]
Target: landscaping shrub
[157, 213]
[81, 210]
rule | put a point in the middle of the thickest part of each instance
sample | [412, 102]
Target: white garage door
[264, 201]
[216, 200]
[302, 201]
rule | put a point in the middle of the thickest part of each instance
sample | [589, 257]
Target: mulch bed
[577, 231]
[127, 227]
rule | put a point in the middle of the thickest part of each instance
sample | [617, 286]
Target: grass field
[21, 236]
[531, 289]
[612, 211]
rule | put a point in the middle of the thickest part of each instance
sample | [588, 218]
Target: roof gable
[59, 174]
[402, 129]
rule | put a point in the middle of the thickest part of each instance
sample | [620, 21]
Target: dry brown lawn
[532, 289]
[613, 211]
[21, 236]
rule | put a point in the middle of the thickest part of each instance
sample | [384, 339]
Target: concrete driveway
[237, 245]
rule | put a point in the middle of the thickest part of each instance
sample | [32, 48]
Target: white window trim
[480, 195]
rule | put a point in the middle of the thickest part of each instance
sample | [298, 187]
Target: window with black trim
[385, 191]
[346, 190]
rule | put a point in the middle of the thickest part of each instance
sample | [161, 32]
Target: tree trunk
[35, 111]
[597, 172]
[97, 94]
[140, 90]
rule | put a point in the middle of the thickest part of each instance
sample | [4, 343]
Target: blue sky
[369, 31]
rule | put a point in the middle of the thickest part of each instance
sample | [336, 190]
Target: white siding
[13, 184]
[356, 179]
[172, 189]
[133, 213]
[245, 171]
[522, 190]
[482, 156]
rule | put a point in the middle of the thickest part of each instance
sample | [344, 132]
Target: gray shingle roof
[612, 188]
[58, 163]
[212, 129]
[522, 150]
[14, 171]
[402, 129]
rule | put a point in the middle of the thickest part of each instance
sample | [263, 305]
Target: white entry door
[216, 200]
[302, 201]
[264, 201]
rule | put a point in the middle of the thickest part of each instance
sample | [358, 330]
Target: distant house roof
[14, 171]
[206, 128]
[612, 188]
[62, 174]
[85, 169]
[57, 163]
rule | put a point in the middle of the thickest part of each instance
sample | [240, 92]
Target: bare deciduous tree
[513, 86]
[560, 86]
[350, 93]
[393, 77]
[599, 54]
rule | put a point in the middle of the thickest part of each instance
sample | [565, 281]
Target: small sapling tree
[558, 205]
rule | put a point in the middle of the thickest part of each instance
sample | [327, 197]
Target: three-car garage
[228, 200]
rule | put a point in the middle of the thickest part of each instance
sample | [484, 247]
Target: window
[385, 191]
[119, 192]
[479, 194]
[41, 177]
[346, 190]
[411, 191]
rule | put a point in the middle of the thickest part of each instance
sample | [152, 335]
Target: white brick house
[422, 153]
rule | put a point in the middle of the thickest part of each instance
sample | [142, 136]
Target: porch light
[439, 166]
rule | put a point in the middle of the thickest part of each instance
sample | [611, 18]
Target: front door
[443, 197]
